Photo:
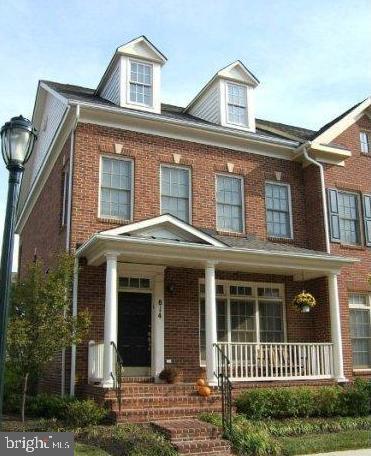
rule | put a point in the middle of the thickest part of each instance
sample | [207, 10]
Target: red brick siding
[354, 176]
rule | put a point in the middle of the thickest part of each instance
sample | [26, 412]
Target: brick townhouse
[193, 228]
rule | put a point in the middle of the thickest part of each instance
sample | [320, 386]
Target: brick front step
[165, 401]
[155, 389]
[138, 415]
[191, 436]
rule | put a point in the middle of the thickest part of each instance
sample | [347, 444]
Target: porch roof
[168, 241]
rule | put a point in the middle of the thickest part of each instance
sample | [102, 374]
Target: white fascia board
[166, 218]
[60, 137]
[335, 130]
[188, 131]
[99, 244]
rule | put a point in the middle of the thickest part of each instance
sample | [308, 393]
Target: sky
[312, 57]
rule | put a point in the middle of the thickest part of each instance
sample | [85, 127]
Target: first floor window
[360, 329]
[245, 313]
[175, 192]
[278, 210]
[116, 188]
[365, 139]
[229, 200]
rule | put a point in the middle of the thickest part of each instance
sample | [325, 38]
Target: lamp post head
[18, 137]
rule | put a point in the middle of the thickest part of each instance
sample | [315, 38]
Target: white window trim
[242, 183]
[245, 125]
[360, 219]
[254, 297]
[368, 134]
[362, 307]
[66, 187]
[129, 101]
[132, 165]
[288, 186]
[166, 165]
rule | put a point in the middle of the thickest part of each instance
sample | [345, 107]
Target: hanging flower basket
[303, 302]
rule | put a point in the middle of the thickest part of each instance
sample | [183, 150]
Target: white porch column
[210, 322]
[110, 319]
[158, 332]
[336, 328]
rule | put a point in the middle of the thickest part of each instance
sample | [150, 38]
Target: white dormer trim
[210, 107]
[115, 83]
[169, 222]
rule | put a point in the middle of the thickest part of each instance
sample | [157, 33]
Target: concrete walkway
[365, 452]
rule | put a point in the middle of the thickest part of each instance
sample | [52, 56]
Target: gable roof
[129, 48]
[166, 227]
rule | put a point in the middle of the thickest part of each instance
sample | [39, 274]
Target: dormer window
[236, 104]
[141, 87]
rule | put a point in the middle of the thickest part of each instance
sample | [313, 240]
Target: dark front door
[134, 329]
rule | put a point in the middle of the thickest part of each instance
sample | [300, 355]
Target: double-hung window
[278, 210]
[344, 217]
[175, 192]
[365, 139]
[229, 203]
[236, 104]
[360, 329]
[246, 312]
[116, 188]
[141, 83]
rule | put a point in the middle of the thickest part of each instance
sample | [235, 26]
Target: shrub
[83, 413]
[126, 439]
[255, 443]
[48, 406]
[355, 399]
[351, 400]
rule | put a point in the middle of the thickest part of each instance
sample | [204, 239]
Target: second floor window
[236, 104]
[278, 210]
[175, 192]
[141, 83]
[116, 188]
[365, 138]
[344, 217]
[229, 213]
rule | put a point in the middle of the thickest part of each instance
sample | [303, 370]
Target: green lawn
[87, 450]
[322, 443]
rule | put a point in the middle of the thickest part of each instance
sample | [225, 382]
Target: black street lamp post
[17, 140]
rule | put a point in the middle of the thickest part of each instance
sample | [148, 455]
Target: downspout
[74, 314]
[68, 228]
[304, 150]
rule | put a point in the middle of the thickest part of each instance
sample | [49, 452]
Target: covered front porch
[177, 296]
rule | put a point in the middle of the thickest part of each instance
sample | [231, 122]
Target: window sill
[231, 233]
[289, 240]
[114, 221]
[366, 154]
[352, 247]
[362, 371]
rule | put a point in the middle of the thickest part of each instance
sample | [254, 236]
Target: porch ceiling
[299, 264]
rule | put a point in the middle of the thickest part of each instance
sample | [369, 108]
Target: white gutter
[304, 147]
[74, 314]
[68, 232]
[256, 137]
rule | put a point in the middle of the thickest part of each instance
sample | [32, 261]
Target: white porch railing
[278, 361]
[95, 361]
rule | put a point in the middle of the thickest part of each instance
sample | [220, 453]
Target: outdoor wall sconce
[160, 308]
[170, 288]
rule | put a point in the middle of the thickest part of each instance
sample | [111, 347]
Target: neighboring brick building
[198, 226]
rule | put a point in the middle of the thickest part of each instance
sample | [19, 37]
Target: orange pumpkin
[200, 382]
[204, 391]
